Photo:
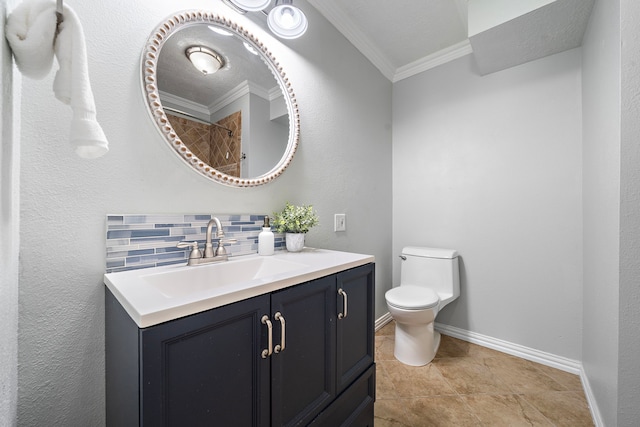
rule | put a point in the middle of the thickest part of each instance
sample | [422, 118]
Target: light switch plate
[340, 222]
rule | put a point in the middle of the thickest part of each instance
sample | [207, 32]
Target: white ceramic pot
[295, 241]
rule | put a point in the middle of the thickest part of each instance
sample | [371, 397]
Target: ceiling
[401, 37]
[177, 77]
[406, 37]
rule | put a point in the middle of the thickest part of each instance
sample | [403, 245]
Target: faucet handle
[220, 250]
[195, 250]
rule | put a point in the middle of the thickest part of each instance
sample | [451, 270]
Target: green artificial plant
[295, 219]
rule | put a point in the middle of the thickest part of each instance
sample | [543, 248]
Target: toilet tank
[432, 268]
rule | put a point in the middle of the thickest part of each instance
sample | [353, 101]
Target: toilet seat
[410, 297]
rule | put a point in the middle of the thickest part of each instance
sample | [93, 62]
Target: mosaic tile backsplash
[143, 241]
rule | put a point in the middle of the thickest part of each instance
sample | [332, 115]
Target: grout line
[538, 410]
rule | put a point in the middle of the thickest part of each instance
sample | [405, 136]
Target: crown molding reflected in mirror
[154, 90]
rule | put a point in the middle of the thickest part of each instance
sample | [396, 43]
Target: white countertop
[156, 295]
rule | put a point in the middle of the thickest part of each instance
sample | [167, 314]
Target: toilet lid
[412, 297]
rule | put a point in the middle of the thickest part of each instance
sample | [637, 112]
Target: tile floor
[471, 385]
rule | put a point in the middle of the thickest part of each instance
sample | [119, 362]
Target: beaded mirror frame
[149, 66]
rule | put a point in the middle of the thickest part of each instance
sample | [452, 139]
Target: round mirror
[220, 99]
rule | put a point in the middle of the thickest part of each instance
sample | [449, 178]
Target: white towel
[31, 33]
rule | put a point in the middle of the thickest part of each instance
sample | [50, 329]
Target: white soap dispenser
[266, 239]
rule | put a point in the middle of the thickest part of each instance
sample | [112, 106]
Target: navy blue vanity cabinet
[303, 374]
[356, 330]
[208, 368]
[355, 368]
[204, 369]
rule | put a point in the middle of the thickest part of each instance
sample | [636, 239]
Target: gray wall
[492, 167]
[343, 166]
[9, 237]
[542, 204]
[601, 205]
[629, 295]
[612, 209]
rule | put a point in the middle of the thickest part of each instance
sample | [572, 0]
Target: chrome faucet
[196, 257]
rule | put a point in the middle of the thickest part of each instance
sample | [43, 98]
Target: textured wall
[601, 205]
[9, 221]
[343, 166]
[629, 344]
[492, 165]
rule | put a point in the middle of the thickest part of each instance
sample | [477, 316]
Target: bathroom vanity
[293, 346]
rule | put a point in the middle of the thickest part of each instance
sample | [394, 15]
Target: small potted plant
[295, 221]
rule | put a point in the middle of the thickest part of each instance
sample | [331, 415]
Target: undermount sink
[199, 279]
[159, 294]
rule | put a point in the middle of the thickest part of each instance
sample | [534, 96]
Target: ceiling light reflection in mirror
[204, 59]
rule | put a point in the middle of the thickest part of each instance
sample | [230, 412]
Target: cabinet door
[354, 407]
[207, 369]
[355, 331]
[303, 375]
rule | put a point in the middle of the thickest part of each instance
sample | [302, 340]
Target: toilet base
[416, 345]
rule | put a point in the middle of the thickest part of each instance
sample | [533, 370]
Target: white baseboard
[544, 358]
[383, 320]
[548, 359]
[591, 399]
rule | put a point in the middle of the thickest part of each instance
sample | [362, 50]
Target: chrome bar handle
[344, 304]
[280, 347]
[267, 351]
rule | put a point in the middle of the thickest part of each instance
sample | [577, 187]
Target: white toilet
[429, 280]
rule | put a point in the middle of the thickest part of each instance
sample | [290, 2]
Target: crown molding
[357, 38]
[183, 103]
[440, 57]
[244, 88]
[274, 93]
[234, 94]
